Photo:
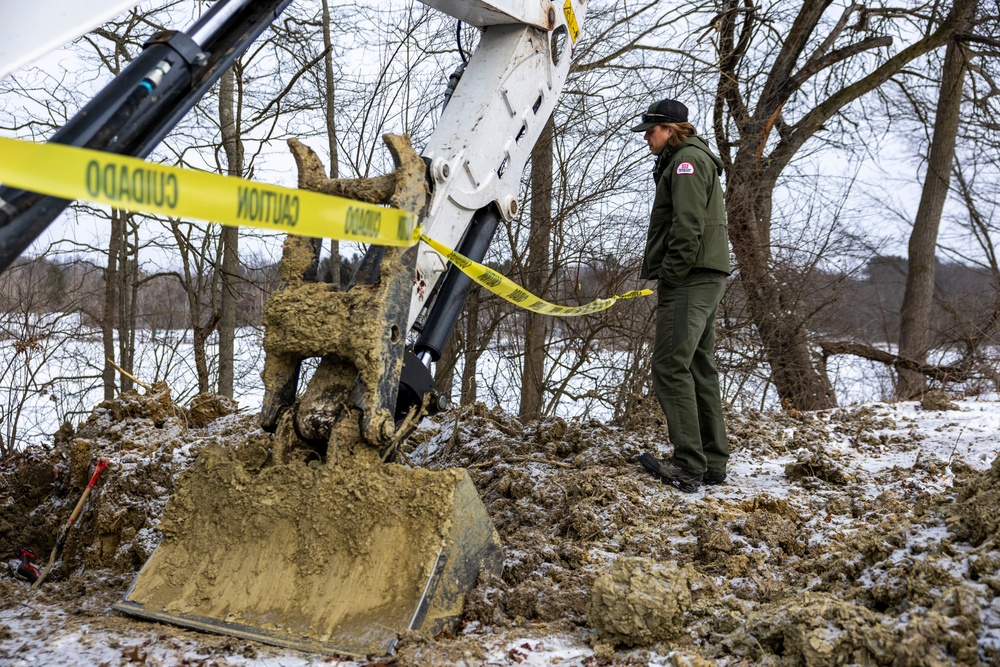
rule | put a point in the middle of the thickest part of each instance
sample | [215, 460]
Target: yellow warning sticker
[507, 289]
[571, 22]
[134, 184]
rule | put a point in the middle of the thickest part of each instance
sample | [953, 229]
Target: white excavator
[369, 575]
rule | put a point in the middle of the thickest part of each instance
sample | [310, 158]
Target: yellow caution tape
[571, 22]
[134, 184]
[507, 289]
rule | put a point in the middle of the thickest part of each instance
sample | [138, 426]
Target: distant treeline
[863, 307]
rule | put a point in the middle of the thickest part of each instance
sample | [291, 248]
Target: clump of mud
[416, 650]
[820, 631]
[639, 602]
[937, 400]
[206, 408]
[815, 466]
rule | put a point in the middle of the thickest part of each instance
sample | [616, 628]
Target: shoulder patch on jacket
[685, 168]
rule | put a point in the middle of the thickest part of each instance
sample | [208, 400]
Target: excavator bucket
[310, 540]
[333, 558]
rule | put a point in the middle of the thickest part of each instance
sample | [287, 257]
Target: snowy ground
[844, 474]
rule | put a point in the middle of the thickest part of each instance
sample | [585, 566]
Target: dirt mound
[808, 555]
[571, 504]
[974, 517]
[148, 440]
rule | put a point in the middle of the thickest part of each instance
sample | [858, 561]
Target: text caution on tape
[134, 184]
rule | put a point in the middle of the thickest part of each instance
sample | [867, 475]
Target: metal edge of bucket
[216, 626]
[305, 643]
[301, 643]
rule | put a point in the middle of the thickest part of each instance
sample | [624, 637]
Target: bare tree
[763, 120]
[229, 124]
[44, 374]
[199, 280]
[330, 118]
[536, 274]
[914, 329]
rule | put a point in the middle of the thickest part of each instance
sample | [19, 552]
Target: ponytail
[681, 133]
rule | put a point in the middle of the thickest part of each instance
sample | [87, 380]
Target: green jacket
[687, 227]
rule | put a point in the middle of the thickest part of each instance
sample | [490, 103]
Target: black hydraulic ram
[449, 300]
[142, 104]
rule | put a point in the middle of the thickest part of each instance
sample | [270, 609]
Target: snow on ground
[846, 473]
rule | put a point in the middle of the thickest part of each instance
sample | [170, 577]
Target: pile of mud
[849, 568]
[592, 542]
[148, 440]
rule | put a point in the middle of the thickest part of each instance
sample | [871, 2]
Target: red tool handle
[98, 469]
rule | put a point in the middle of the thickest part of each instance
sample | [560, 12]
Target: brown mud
[313, 556]
[848, 568]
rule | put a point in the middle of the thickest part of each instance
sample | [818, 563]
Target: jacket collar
[669, 151]
[662, 159]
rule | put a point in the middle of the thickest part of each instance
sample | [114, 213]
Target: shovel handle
[98, 469]
[101, 464]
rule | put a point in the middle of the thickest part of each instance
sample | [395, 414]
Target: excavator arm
[390, 548]
[474, 161]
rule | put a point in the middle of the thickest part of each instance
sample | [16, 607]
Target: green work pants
[685, 378]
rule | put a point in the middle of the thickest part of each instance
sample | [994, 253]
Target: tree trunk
[331, 131]
[782, 333]
[128, 286]
[536, 273]
[195, 263]
[229, 237]
[472, 350]
[444, 369]
[915, 315]
[111, 279]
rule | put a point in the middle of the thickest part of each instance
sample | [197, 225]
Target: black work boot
[671, 473]
[712, 478]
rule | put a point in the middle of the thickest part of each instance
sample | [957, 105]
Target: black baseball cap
[664, 111]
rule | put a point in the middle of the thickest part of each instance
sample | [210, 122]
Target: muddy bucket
[332, 558]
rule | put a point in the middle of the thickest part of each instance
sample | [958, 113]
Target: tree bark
[472, 349]
[950, 373]
[915, 316]
[782, 333]
[444, 368]
[536, 273]
[331, 131]
[110, 303]
[194, 263]
[229, 236]
[128, 292]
